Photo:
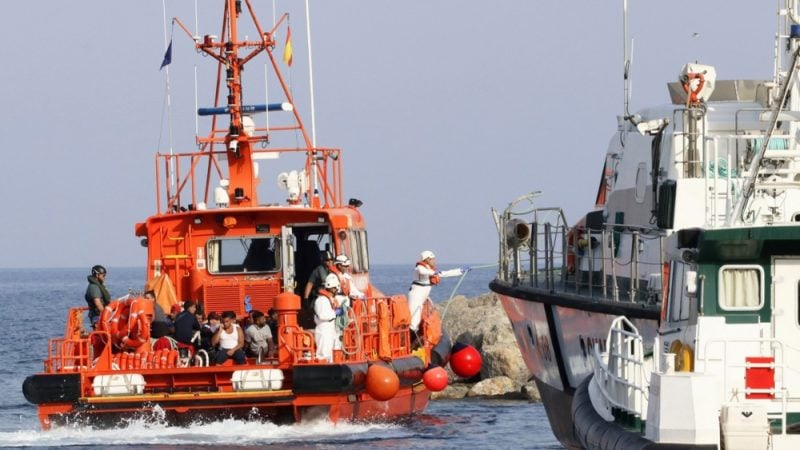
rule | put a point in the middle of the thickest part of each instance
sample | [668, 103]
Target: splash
[149, 430]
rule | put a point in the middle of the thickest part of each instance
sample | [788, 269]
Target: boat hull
[335, 392]
[279, 407]
[556, 333]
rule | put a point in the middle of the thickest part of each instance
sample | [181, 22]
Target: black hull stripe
[556, 340]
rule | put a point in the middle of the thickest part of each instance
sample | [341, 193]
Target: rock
[530, 392]
[504, 360]
[452, 391]
[493, 387]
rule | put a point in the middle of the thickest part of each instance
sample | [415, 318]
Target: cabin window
[641, 182]
[358, 250]
[243, 254]
[679, 299]
[741, 288]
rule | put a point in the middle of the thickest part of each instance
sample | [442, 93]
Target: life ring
[138, 331]
[110, 312]
[693, 92]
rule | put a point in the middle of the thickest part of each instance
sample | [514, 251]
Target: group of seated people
[221, 336]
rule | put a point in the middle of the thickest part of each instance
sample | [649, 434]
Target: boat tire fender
[61, 388]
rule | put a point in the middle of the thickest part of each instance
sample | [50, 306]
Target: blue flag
[167, 56]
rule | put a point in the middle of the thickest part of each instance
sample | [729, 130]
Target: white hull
[556, 343]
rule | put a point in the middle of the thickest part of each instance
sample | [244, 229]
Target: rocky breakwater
[482, 323]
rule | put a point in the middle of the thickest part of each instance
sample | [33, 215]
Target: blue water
[36, 301]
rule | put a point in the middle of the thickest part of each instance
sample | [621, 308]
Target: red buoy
[382, 382]
[435, 379]
[465, 360]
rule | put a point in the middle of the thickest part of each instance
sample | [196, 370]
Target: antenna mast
[626, 62]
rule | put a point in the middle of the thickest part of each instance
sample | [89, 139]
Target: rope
[455, 289]
[353, 322]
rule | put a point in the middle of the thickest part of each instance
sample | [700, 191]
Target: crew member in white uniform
[348, 287]
[425, 277]
[325, 312]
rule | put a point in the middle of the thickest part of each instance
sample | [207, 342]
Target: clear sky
[443, 109]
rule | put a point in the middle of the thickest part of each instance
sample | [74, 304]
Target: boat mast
[626, 63]
[240, 163]
[241, 136]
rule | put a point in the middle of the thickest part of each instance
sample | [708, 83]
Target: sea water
[35, 304]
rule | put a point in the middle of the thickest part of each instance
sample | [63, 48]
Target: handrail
[620, 374]
[172, 198]
[603, 262]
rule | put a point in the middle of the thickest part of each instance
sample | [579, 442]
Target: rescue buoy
[435, 379]
[382, 382]
[138, 332]
[104, 323]
[465, 360]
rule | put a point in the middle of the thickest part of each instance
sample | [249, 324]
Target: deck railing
[620, 373]
[617, 262]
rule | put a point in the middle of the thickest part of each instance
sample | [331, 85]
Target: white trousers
[325, 336]
[416, 298]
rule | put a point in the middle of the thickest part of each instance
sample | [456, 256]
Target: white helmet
[332, 281]
[342, 260]
[427, 254]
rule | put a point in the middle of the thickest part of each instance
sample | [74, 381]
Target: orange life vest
[434, 278]
[344, 283]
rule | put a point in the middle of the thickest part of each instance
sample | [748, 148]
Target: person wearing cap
[186, 324]
[317, 277]
[425, 277]
[348, 287]
[97, 296]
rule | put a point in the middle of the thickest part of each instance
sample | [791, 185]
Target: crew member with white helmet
[425, 277]
[325, 312]
[348, 287]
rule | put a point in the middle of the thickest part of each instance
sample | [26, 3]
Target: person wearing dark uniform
[97, 296]
[317, 277]
[186, 324]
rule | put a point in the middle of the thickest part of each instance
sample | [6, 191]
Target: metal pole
[547, 261]
[564, 256]
[535, 253]
[590, 253]
[614, 285]
[603, 252]
[661, 261]
[634, 281]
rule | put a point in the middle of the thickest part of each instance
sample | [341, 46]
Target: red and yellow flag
[287, 49]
